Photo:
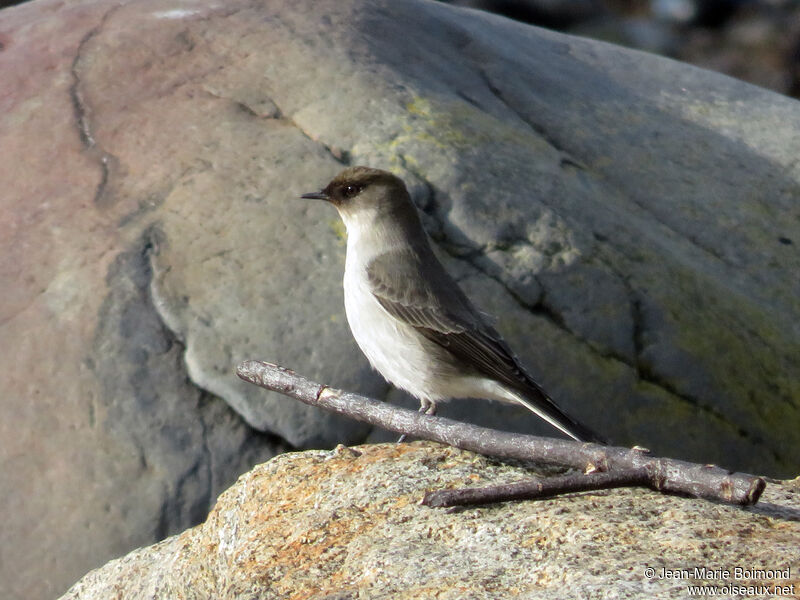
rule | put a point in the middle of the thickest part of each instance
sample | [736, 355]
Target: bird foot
[426, 407]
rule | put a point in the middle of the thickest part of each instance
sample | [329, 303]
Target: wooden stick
[536, 488]
[664, 474]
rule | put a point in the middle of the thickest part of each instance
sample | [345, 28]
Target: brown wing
[427, 298]
[422, 294]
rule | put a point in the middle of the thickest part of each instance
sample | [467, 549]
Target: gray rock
[348, 524]
[554, 14]
[631, 222]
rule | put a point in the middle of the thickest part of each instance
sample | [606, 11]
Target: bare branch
[536, 488]
[664, 474]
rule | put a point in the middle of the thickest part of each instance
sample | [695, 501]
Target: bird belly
[396, 350]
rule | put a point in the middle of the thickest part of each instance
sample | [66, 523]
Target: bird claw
[426, 407]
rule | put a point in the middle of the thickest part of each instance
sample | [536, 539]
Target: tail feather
[545, 408]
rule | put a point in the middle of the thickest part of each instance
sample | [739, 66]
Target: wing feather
[422, 295]
[435, 305]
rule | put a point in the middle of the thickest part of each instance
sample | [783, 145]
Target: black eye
[349, 191]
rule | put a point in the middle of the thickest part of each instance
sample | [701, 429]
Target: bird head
[365, 194]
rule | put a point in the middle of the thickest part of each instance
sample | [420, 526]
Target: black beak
[316, 196]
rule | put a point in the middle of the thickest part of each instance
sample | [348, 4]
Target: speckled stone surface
[348, 524]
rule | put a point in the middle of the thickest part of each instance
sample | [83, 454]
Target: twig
[536, 488]
[664, 474]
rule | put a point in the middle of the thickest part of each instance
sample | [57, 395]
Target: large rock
[632, 222]
[348, 524]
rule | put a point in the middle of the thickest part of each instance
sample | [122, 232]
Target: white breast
[396, 350]
[392, 348]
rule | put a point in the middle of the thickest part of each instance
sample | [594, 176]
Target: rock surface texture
[632, 222]
[348, 524]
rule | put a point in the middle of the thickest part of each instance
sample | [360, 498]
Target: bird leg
[426, 407]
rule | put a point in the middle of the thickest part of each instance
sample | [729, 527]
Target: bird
[410, 318]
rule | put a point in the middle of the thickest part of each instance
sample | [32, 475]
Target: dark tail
[543, 406]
